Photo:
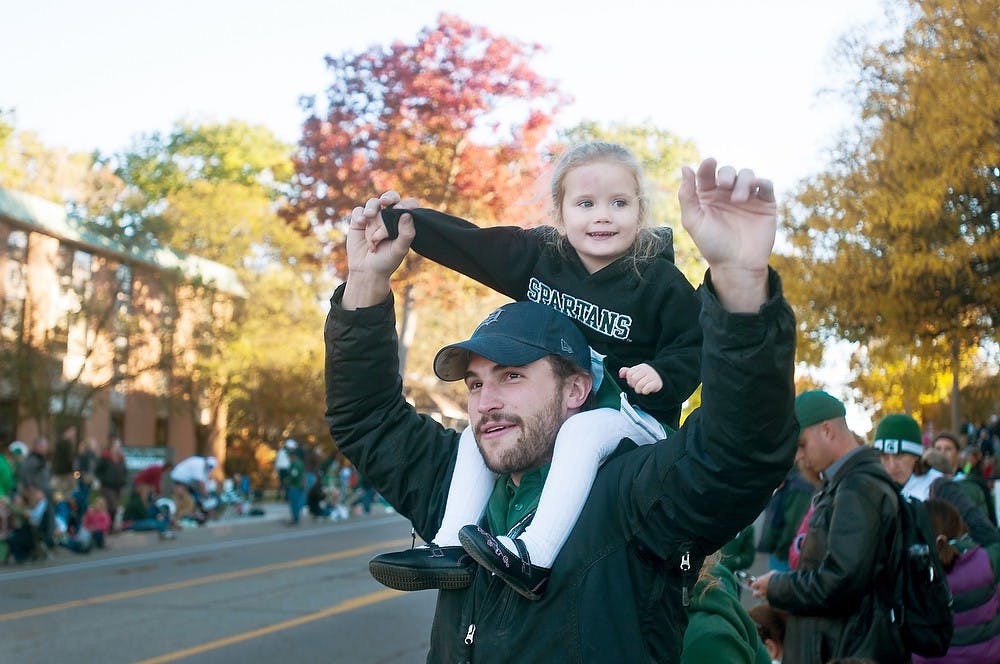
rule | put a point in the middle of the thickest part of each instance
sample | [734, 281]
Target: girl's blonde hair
[647, 243]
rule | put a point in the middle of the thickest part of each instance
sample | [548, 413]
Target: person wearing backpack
[850, 552]
[897, 438]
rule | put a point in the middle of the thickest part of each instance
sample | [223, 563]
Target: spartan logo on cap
[566, 348]
[890, 446]
[492, 318]
[897, 446]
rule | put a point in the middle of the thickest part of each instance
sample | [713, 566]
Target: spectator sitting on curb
[97, 520]
[151, 514]
[32, 525]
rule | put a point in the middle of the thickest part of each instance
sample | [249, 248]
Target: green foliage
[214, 190]
[53, 173]
[276, 362]
[198, 166]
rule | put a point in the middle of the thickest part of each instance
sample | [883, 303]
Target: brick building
[107, 337]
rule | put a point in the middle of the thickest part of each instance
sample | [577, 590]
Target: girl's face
[600, 212]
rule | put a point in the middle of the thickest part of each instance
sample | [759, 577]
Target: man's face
[515, 412]
[815, 453]
[899, 466]
[948, 447]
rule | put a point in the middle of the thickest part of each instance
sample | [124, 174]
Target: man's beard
[533, 449]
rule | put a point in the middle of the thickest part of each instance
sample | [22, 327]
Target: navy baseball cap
[514, 335]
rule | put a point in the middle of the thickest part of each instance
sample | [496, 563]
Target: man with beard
[622, 584]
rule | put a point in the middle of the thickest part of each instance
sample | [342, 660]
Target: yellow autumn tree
[897, 246]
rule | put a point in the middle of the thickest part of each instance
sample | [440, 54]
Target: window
[116, 425]
[58, 340]
[17, 246]
[160, 433]
[124, 276]
[82, 270]
[11, 311]
[64, 262]
[8, 420]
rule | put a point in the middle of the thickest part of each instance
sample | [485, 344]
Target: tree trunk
[407, 329]
[956, 348]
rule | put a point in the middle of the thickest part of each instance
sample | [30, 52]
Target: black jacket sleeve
[700, 487]
[980, 528]
[499, 257]
[408, 457]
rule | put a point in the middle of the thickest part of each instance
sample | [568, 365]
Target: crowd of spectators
[63, 496]
[952, 473]
[77, 495]
[74, 495]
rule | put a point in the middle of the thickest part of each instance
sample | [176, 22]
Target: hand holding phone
[745, 578]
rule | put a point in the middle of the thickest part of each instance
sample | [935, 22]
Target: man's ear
[578, 388]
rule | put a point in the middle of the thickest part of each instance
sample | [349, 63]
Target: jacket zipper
[470, 633]
[685, 572]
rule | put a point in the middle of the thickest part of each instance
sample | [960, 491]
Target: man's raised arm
[370, 263]
[732, 219]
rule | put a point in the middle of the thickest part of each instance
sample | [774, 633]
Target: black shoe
[424, 568]
[514, 568]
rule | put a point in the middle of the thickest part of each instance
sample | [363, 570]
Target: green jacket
[739, 552]
[7, 480]
[719, 628]
[296, 478]
[619, 587]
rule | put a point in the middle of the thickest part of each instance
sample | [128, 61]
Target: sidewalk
[273, 511]
[129, 542]
[133, 539]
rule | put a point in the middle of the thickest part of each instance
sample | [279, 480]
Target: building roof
[43, 216]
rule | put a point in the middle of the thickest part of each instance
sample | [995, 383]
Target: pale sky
[739, 78]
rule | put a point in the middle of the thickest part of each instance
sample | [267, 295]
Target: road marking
[343, 607]
[188, 550]
[204, 580]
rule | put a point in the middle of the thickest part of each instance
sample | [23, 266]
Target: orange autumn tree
[456, 119]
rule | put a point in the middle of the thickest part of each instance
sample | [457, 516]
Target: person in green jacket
[295, 486]
[7, 478]
[739, 552]
[719, 628]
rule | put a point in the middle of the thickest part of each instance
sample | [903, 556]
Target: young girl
[973, 572]
[97, 520]
[607, 269]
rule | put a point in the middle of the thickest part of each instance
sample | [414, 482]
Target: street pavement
[229, 524]
[246, 589]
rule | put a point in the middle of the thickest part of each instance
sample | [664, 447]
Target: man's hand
[760, 585]
[732, 219]
[642, 378]
[371, 256]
